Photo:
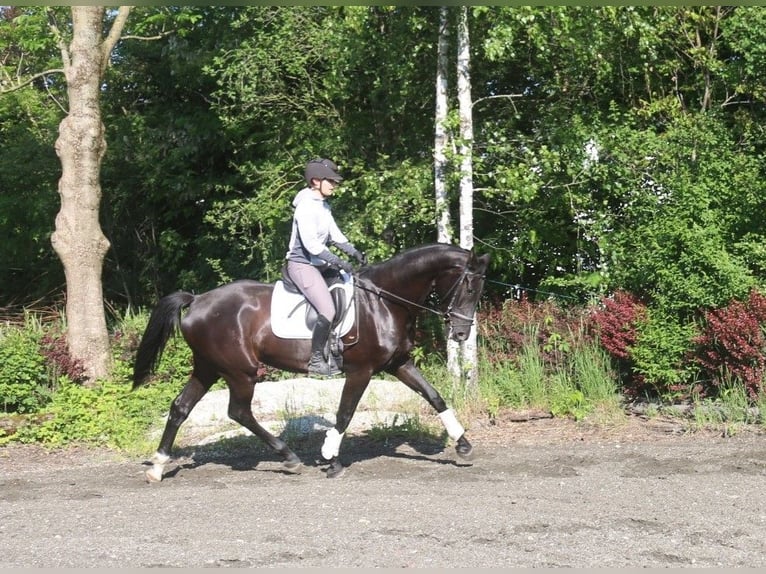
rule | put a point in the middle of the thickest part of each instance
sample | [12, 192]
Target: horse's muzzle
[459, 333]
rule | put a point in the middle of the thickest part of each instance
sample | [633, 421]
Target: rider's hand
[345, 266]
[360, 257]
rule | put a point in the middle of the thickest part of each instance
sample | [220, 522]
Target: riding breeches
[313, 286]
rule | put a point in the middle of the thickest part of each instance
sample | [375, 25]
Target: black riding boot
[318, 364]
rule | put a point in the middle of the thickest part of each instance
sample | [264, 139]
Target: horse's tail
[163, 322]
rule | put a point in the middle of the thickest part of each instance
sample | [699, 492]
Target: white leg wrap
[158, 461]
[160, 458]
[454, 429]
[331, 446]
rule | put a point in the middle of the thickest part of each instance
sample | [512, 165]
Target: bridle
[448, 314]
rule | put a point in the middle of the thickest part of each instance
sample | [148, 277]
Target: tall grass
[582, 384]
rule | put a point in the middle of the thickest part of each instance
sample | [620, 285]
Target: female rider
[314, 230]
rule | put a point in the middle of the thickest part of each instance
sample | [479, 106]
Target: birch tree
[443, 230]
[468, 353]
[461, 357]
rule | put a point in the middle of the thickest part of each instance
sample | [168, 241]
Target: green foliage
[554, 365]
[679, 226]
[24, 384]
[729, 411]
[662, 352]
[568, 401]
[108, 414]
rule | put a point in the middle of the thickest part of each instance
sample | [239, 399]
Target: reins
[447, 314]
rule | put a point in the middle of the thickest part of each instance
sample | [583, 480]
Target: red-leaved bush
[54, 348]
[732, 343]
[507, 326]
[616, 323]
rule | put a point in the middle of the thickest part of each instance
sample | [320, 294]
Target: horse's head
[461, 288]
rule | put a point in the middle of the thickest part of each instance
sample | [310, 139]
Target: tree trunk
[469, 355]
[78, 239]
[443, 224]
[443, 220]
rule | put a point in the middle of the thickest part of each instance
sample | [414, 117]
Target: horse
[229, 330]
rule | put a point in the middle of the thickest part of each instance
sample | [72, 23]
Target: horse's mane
[406, 258]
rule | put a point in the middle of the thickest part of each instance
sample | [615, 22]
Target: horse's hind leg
[241, 411]
[182, 405]
[411, 376]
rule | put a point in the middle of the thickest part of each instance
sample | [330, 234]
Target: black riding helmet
[322, 169]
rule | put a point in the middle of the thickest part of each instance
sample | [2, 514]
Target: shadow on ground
[247, 452]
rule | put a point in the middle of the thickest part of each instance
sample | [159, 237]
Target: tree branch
[504, 96]
[53, 25]
[114, 35]
[159, 36]
[31, 79]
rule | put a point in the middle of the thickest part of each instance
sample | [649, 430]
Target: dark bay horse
[229, 332]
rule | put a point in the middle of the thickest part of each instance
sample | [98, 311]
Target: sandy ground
[541, 493]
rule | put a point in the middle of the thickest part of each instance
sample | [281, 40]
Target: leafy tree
[169, 156]
[334, 82]
[29, 167]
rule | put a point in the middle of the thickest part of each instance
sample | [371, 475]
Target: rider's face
[327, 187]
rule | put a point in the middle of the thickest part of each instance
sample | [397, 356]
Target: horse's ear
[479, 263]
[484, 262]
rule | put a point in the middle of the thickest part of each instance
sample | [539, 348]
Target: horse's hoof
[293, 465]
[154, 474]
[336, 470]
[464, 449]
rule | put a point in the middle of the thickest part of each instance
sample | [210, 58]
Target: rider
[314, 231]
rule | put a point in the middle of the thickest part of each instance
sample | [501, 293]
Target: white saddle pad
[288, 311]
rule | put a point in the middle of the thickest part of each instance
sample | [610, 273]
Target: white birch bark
[443, 224]
[468, 351]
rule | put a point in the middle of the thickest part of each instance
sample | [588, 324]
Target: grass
[730, 411]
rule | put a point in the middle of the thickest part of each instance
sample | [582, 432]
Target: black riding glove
[346, 266]
[335, 261]
[352, 251]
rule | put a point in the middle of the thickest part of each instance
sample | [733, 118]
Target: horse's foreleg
[180, 408]
[241, 411]
[353, 389]
[412, 377]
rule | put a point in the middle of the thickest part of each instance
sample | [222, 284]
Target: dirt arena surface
[541, 493]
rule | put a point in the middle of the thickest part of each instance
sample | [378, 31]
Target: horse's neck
[414, 282]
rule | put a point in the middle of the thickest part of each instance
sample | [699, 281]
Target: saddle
[293, 317]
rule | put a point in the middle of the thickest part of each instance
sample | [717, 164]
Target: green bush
[661, 355]
[108, 413]
[24, 385]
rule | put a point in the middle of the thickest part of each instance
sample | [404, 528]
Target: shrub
[23, 377]
[661, 356]
[107, 414]
[732, 344]
[616, 325]
[54, 348]
[507, 330]
[541, 355]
